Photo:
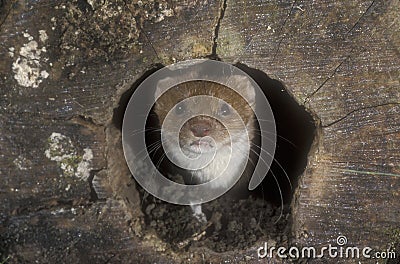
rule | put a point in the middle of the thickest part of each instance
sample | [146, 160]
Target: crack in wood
[360, 109]
[110, 258]
[344, 60]
[7, 14]
[90, 123]
[223, 6]
[141, 29]
[329, 77]
[86, 121]
[281, 30]
[359, 19]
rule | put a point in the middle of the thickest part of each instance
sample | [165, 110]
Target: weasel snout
[200, 128]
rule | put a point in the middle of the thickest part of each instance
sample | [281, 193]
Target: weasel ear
[245, 86]
[162, 86]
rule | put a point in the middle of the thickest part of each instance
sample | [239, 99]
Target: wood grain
[340, 59]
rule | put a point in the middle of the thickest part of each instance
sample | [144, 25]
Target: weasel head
[206, 109]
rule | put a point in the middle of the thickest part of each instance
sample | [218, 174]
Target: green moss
[166, 59]
[394, 234]
[105, 29]
[61, 150]
[230, 43]
[72, 161]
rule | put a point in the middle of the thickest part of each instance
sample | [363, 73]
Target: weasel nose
[200, 129]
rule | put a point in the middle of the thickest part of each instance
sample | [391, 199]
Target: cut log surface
[65, 192]
[341, 61]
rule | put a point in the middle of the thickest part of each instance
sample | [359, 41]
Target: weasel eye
[180, 108]
[225, 110]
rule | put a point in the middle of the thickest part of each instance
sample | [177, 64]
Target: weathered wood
[72, 61]
[65, 65]
[341, 60]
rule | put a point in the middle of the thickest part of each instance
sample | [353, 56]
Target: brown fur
[173, 96]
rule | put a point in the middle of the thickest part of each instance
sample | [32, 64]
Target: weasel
[204, 134]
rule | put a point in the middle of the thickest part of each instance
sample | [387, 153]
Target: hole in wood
[235, 224]
[295, 133]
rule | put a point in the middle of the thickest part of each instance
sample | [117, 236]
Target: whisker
[277, 183]
[149, 129]
[269, 139]
[279, 136]
[277, 162]
[254, 165]
[155, 149]
[147, 149]
[151, 178]
[160, 160]
[281, 195]
[156, 146]
[262, 189]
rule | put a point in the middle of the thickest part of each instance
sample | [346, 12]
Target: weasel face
[201, 134]
[209, 123]
[203, 108]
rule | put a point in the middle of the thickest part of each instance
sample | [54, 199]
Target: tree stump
[66, 194]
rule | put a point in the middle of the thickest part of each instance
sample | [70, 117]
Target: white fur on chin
[219, 163]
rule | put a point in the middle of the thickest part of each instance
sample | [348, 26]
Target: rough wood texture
[341, 60]
[63, 68]
[65, 64]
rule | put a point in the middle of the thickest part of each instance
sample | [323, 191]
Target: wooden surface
[340, 59]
